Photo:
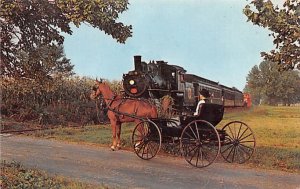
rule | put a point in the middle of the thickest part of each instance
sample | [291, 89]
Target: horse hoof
[137, 146]
[112, 148]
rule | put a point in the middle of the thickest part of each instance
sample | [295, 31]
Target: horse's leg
[113, 128]
[118, 135]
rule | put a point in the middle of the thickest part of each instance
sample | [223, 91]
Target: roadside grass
[14, 175]
[277, 132]
[95, 134]
[276, 129]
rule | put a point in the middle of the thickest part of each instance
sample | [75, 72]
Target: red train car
[247, 100]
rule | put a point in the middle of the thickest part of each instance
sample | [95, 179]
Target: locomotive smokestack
[138, 63]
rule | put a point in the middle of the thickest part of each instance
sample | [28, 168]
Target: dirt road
[124, 169]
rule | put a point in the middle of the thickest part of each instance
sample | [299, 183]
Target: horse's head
[96, 91]
[100, 88]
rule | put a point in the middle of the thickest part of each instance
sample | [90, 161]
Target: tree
[41, 72]
[285, 26]
[26, 25]
[44, 62]
[266, 83]
[290, 88]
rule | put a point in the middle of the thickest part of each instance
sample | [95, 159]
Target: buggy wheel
[239, 143]
[200, 143]
[146, 139]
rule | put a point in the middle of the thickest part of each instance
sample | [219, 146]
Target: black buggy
[196, 138]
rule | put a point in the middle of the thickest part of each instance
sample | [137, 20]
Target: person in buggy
[203, 98]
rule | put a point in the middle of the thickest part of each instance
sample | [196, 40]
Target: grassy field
[277, 132]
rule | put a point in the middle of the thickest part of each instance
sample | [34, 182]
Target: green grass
[277, 132]
[273, 126]
[14, 175]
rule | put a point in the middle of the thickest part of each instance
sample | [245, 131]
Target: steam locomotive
[157, 79]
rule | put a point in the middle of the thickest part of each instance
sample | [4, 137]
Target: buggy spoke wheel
[200, 143]
[239, 143]
[146, 139]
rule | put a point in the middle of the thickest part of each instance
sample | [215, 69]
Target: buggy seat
[213, 113]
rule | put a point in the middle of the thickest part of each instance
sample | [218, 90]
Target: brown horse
[120, 108]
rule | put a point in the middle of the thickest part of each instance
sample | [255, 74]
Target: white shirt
[198, 106]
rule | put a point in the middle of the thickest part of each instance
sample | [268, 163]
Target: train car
[201, 83]
[157, 79]
[238, 98]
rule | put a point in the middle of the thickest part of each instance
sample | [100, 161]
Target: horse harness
[116, 109]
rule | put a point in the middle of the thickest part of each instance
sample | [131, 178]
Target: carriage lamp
[131, 82]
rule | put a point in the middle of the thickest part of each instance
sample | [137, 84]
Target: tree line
[268, 85]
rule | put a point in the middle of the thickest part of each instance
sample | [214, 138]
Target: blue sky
[209, 38]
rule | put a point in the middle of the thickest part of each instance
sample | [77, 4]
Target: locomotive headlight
[131, 82]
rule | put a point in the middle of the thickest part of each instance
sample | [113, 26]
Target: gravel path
[123, 169]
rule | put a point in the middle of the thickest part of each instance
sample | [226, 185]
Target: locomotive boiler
[158, 78]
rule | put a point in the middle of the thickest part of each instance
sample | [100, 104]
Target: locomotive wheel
[200, 143]
[146, 139]
[239, 143]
